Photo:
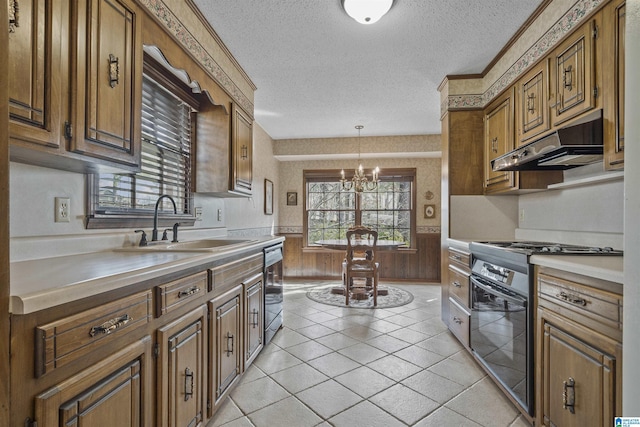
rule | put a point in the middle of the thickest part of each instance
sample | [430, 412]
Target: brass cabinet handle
[456, 284]
[229, 349]
[244, 152]
[573, 299]
[192, 290]
[531, 102]
[114, 71]
[188, 379]
[14, 15]
[457, 320]
[569, 395]
[494, 144]
[456, 257]
[567, 77]
[254, 314]
[110, 325]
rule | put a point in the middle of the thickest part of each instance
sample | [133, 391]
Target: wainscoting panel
[422, 263]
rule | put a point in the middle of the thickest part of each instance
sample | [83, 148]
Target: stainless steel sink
[205, 245]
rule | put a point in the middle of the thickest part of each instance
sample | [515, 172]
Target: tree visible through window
[331, 210]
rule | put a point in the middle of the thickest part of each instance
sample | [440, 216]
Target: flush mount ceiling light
[366, 11]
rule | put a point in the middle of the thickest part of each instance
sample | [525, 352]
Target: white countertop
[603, 267]
[44, 283]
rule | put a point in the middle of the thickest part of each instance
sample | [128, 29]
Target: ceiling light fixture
[366, 11]
[360, 182]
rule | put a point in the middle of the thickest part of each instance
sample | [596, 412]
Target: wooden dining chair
[360, 263]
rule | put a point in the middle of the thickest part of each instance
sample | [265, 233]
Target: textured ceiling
[319, 73]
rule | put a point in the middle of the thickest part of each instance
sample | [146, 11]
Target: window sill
[123, 221]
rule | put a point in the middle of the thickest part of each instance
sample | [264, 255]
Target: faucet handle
[164, 234]
[143, 240]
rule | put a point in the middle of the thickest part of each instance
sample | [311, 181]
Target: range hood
[578, 144]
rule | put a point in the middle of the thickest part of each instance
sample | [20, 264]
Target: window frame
[144, 217]
[390, 174]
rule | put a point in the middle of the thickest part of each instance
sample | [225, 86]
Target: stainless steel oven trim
[513, 299]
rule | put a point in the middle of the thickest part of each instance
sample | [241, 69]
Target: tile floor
[334, 366]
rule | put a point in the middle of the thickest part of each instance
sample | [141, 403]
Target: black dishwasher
[273, 291]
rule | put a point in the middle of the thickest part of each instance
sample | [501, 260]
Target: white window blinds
[166, 158]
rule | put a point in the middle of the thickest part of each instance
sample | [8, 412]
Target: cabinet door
[107, 81]
[614, 28]
[242, 151]
[182, 370]
[578, 379]
[498, 124]
[254, 318]
[110, 393]
[37, 79]
[532, 103]
[226, 342]
[573, 75]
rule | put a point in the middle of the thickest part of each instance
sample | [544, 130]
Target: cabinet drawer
[228, 275]
[459, 322]
[459, 285]
[173, 295]
[66, 340]
[460, 259]
[595, 308]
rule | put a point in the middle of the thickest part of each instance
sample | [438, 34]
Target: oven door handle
[512, 299]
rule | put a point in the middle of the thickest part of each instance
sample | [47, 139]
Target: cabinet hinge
[595, 92]
[68, 133]
[156, 350]
[595, 32]
[208, 403]
[30, 423]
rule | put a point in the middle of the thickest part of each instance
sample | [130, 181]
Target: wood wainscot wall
[419, 264]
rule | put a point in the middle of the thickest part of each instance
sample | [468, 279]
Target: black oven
[273, 291]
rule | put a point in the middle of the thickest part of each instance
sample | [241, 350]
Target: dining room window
[330, 210]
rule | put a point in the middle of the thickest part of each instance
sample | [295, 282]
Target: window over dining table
[330, 210]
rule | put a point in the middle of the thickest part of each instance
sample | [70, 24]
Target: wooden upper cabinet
[573, 79]
[106, 78]
[37, 73]
[613, 27]
[498, 126]
[532, 103]
[241, 151]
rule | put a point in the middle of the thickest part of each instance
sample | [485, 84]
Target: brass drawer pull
[573, 299]
[192, 290]
[569, 395]
[456, 284]
[110, 325]
[456, 257]
[567, 77]
[457, 320]
[531, 103]
[114, 71]
[188, 379]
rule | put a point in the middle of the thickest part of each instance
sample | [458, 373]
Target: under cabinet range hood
[578, 144]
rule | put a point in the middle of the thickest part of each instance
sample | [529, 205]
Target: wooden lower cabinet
[225, 344]
[114, 392]
[182, 375]
[253, 318]
[578, 358]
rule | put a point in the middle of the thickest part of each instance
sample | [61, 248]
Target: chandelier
[360, 182]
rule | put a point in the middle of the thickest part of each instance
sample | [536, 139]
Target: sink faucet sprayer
[154, 233]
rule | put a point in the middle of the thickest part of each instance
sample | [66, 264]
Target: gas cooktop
[548, 248]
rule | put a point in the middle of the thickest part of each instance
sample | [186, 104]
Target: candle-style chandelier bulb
[360, 182]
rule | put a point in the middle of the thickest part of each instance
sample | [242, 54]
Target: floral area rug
[395, 297]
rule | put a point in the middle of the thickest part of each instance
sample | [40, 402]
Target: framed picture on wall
[292, 198]
[268, 197]
[430, 211]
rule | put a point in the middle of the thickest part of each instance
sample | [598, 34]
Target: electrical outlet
[521, 214]
[63, 207]
[198, 213]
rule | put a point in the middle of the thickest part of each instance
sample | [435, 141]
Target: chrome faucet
[154, 233]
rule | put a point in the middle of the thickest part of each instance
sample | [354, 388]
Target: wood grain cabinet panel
[253, 318]
[106, 76]
[613, 27]
[573, 78]
[37, 78]
[498, 124]
[182, 370]
[532, 104]
[114, 392]
[241, 151]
